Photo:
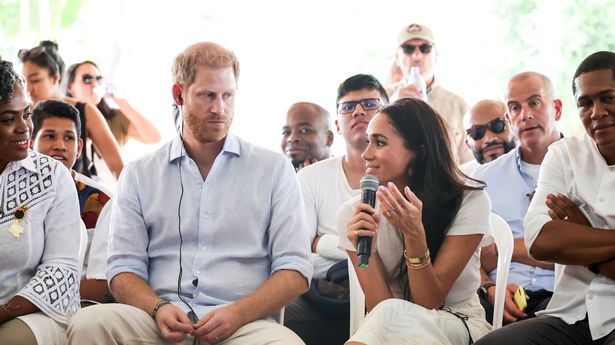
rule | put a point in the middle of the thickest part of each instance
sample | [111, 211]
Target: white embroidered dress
[41, 263]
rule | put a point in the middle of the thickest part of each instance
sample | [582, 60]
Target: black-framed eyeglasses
[496, 126]
[89, 79]
[409, 48]
[366, 103]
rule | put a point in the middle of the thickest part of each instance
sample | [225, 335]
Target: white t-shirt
[472, 218]
[325, 188]
[469, 167]
[575, 168]
[532, 169]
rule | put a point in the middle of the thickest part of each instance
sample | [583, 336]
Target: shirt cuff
[327, 247]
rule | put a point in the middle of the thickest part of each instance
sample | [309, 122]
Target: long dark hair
[435, 178]
[104, 107]
[111, 114]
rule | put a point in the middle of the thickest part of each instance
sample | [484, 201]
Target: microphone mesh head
[369, 182]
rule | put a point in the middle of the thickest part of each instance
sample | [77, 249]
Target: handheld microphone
[369, 186]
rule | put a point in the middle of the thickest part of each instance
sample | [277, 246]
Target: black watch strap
[483, 288]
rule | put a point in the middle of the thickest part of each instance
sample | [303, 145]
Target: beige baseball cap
[413, 31]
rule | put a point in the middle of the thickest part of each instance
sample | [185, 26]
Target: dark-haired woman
[43, 69]
[39, 221]
[427, 228]
[85, 84]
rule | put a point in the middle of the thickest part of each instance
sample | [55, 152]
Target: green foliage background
[586, 27]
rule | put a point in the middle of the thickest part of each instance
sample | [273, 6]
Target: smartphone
[520, 299]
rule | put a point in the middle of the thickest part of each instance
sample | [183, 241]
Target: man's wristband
[485, 287]
[158, 306]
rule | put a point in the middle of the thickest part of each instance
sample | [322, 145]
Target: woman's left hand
[404, 214]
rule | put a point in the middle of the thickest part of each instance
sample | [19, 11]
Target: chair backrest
[280, 316]
[504, 242]
[83, 247]
[357, 299]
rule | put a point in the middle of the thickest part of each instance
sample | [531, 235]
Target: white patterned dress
[39, 243]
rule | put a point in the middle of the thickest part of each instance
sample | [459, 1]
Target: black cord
[179, 229]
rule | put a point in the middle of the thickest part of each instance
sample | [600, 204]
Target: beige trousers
[108, 324]
[16, 332]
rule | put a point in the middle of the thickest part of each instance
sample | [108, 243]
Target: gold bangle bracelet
[419, 262]
[418, 267]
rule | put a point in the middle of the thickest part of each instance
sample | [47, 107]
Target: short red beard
[198, 129]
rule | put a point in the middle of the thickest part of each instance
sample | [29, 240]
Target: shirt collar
[26, 163]
[177, 150]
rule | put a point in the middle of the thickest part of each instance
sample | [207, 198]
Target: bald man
[307, 136]
[533, 111]
[488, 133]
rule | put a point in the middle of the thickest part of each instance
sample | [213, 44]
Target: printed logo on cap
[414, 28]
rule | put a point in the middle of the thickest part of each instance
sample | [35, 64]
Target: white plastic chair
[504, 242]
[357, 299]
[83, 247]
[280, 317]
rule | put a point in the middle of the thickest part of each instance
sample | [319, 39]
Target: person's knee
[518, 333]
[17, 332]
[85, 321]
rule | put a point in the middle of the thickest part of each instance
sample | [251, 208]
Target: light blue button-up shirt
[509, 187]
[239, 225]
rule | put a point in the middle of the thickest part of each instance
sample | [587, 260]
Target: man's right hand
[174, 325]
[511, 312]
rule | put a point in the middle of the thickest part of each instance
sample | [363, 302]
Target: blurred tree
[556, 35]
[43, 20]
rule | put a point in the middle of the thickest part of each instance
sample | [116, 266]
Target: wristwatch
[483, 289]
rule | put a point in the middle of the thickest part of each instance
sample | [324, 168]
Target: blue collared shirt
[240, 225]
[509, 187]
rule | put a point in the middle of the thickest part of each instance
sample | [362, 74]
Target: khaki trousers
[108, 324]
[16, 332]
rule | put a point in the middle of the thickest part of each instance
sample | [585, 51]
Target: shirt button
[590, 297]
[601, 199]
[205, 217]
[198, 272]
[203, 248]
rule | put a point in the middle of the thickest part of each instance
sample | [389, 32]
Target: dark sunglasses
[409, 48]
[496, 126]
[89, 79]
[367, 104]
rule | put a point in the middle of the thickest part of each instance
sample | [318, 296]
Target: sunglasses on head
[89, 79]
[496, 126]
[409, 48]
[367, 104]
